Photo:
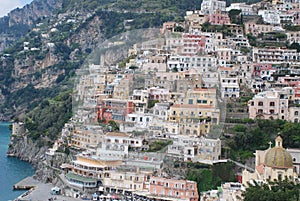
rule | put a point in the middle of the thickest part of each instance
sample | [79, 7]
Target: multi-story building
[196, 149]
[213, 41]
[219, 18]
[275, 55]
[126, 180]
[123, 89]
[192, 44]
[255, 29]
[114, 110]
[211, 6]
[272, 104]
[186, 63]
[170, 189]
[245, 8]
[88, 171]
[186, 43]
[85, 137]
[270, 16]
[140, 100]
[293, 37]
[229, 85]
[263, 70]
[193, 20]
[202, 115]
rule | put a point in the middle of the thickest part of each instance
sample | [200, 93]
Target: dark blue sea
[12, 170]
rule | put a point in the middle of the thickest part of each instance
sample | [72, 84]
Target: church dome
[278, 157]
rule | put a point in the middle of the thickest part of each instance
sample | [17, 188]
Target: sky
[8, 5]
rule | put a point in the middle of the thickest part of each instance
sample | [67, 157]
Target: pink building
[193, 43]
[219, 18]
[167, 26]
[263, 70]
[173, 189]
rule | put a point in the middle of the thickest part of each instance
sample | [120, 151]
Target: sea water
[12, 170]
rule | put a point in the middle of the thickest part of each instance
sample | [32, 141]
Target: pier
[26, 184]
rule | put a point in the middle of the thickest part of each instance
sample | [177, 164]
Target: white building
[196, 149]
[245, 8]
[211, 6]
[270, 16]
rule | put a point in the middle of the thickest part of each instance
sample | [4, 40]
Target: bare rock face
[26, 150]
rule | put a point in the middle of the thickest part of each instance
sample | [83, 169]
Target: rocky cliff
[21, 20]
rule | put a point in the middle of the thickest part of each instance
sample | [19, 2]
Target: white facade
[230, 87]
[186, 63]
[195, 149]
[246, 9]
[270, 16]
[211, 6]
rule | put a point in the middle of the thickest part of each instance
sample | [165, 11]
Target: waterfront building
[88, 171]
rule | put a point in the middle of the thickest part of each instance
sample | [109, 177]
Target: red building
[114, 109]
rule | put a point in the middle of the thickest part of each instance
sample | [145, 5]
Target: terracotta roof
[117, 134]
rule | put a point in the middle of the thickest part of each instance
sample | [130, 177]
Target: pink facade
[172, 188]
[193, 43]
[258, 69]
[114, 109]
[219, 18]
[167, 26]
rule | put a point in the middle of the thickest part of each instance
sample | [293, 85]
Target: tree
[273, 191]
[295, 46]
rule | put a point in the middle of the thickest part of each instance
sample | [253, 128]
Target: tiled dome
[278, 157]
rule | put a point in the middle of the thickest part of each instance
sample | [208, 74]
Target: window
[296, 113]
[260, 103]
[272, 103]
[190, 101]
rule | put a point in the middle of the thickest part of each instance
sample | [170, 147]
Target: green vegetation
[235, 16]
[152, 103]
[250, 137]
[46, 120]
[211, 177]
[291, 28]
[207, 27]
[114, 125]
[278, 190]
[158, 145]
[295, 46]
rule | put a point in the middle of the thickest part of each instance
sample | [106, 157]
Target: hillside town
[167, 101]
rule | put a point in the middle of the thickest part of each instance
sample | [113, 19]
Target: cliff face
[19, 21]
[26, 150]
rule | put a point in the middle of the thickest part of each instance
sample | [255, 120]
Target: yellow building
[125, 181]
[194, 117]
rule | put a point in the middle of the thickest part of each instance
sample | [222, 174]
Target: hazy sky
[8, 5]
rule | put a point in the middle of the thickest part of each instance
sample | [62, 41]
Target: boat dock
[26, 184]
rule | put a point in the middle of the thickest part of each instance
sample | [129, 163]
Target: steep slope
[19, 21]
